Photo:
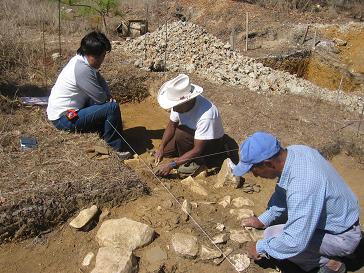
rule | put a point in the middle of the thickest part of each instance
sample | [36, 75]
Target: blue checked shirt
[314, 196]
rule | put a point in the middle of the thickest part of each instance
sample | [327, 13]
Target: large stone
[124, 233]
[225, 176]
[115, 260]
[220, 238]
[241, 213]
[88, 258]
[240, 261]
[84, 217]
[194, 186]
[208, 253]
[241, 201]
[185, 244]
[155, 257]
[241, 236]
[226, 200]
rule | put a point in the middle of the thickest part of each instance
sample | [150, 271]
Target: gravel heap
[190, 49]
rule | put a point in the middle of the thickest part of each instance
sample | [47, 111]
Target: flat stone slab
[240, 236]
[84, 217]
[185, 244]
[115, 260]
[88, 259]
[241, 213]
[220, 238]
[124, 233]
[240, 261]
[225, 201]
[208, 253]
[195, 186]
[242, 201]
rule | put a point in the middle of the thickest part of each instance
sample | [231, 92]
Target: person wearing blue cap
[320, 212]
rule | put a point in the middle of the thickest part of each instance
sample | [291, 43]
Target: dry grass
[43, 187]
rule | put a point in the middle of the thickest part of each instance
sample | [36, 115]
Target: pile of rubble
[188, 48]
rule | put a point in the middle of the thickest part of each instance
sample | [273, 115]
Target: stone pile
[187, 48]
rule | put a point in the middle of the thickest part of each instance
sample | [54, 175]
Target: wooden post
[232, 38]
[304, 36]
[165, 52]
[361, 119]
[59, 28]
[247, 31]
[314, 39]
[338, 90]
[44, 56]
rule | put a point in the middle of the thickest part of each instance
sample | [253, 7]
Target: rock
[84, 217]
[101, 150]
[220, 238]
[194, 186]
[242, 213]
[240, 236]
[226, 200]
[167, 204]
[185, 244]
[56, 56]
[105, 213]
[132, 163]
[227, 252]
[115, 260]
[240, 261]
[225, 176]
[220, 227]
[209, 253]
[241, 201]
[124, 233]
[340, 42]
[186, 207]
[202, 175]
[256, 234]
[155, 255]
[88, 258]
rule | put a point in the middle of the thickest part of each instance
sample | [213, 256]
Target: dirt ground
[295, 120]
[64, 249]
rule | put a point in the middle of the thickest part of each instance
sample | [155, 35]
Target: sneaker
[325, 269]
[124, 155]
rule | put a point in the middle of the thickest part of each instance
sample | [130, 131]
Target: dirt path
[64, 249]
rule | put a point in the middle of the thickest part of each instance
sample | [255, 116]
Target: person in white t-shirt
[195, 127]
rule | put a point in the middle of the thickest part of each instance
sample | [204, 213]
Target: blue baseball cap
[256, 148]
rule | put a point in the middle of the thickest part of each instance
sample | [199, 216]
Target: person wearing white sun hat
[195, 126]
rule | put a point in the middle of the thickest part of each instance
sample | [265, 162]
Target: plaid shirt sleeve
[276, 207]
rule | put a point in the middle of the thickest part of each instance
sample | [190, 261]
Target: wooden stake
[361, 119]
[165, 52]
[44, 56]
[304, 36]
[314, 39]
[247, 31]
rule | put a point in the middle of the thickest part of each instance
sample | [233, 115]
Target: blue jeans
[94, 119]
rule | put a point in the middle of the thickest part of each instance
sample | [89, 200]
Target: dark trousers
[96, 118]
[183, 141]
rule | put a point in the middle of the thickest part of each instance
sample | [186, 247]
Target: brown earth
[293, 119]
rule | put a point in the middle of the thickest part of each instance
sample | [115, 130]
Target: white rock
[88, 258]
[240, 236]
[241, 201]
[208, 253]
[84, 217]
[185, 244]
[186, 207]
[225, 176]
[56, 56]
[220, 227]
[226, 200]
[115, 260]
[220, 238]
[194, 186]
[241, 213]
[124, 233]
[240, 261]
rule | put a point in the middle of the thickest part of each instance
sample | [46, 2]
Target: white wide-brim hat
[177, 91]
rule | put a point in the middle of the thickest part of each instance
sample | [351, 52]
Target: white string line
[175, 198]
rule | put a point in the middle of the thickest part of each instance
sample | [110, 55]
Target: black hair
[94, 43]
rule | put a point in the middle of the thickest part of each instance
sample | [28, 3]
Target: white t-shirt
[204, 118]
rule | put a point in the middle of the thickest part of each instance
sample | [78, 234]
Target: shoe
[189, 168]
[325, 269]
[124, 155]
